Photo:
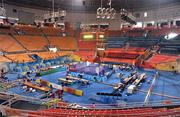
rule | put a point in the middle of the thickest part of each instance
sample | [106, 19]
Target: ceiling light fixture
[53, 17]
[106, 13]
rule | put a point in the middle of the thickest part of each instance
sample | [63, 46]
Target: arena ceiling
[92, 5]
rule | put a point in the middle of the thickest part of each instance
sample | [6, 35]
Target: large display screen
[92, 36]
[88, 37]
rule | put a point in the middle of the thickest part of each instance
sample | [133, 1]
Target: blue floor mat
[167, 83]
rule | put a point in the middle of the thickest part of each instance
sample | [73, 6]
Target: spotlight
[113, 13]
[127, 17]
[171, 36]
[99, 12]
[103, 13]
[106, 13]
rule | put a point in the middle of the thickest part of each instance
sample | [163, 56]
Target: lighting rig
[2, 12]
[110, 13]
[53, 16]
[127, 17]
[106, 13]
[2, 9]
[4, 19]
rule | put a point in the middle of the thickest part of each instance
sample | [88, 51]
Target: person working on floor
[3, 74]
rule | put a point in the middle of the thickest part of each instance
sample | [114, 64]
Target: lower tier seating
[162, 58]
[20, 58]
[117, 60]
[122, 55]
[85, 54]
[27, 57]
[170, 46]
[161, 62]
[64, 53]
[47, 55]
[87, 45]
[4, 59]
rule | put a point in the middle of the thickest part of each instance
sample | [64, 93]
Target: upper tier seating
[115, 33]
[116, 42]
[20, 58]
[136, 33]
[32, 43]
[7, 30]
[143, 42]
[51, 31]
[27, 30]
[8, 44]
[63, 43]
[119, 42]
[162, 32]
[169, 50]
[170, 46]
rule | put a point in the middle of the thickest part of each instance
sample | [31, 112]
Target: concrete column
[174, 22]
[169, 24]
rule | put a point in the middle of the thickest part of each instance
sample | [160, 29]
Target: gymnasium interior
[90, 58]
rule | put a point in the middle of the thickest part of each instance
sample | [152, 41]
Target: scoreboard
[92, 36]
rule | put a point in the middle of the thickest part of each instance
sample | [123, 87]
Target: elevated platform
[162, 62]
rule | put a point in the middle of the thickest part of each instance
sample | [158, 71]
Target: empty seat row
[87, 45]
[122, 55]
[32, 43]
[8, 44]
[27, 30]
[47, 55]
[51, 31]
[4, 59]
[20, 58]
[63, 43]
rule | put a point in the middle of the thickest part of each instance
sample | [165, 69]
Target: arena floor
[166, 88]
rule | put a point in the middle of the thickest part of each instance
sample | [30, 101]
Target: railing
[103, 106]
[25, 98]
[122, 105]
[123, 109]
